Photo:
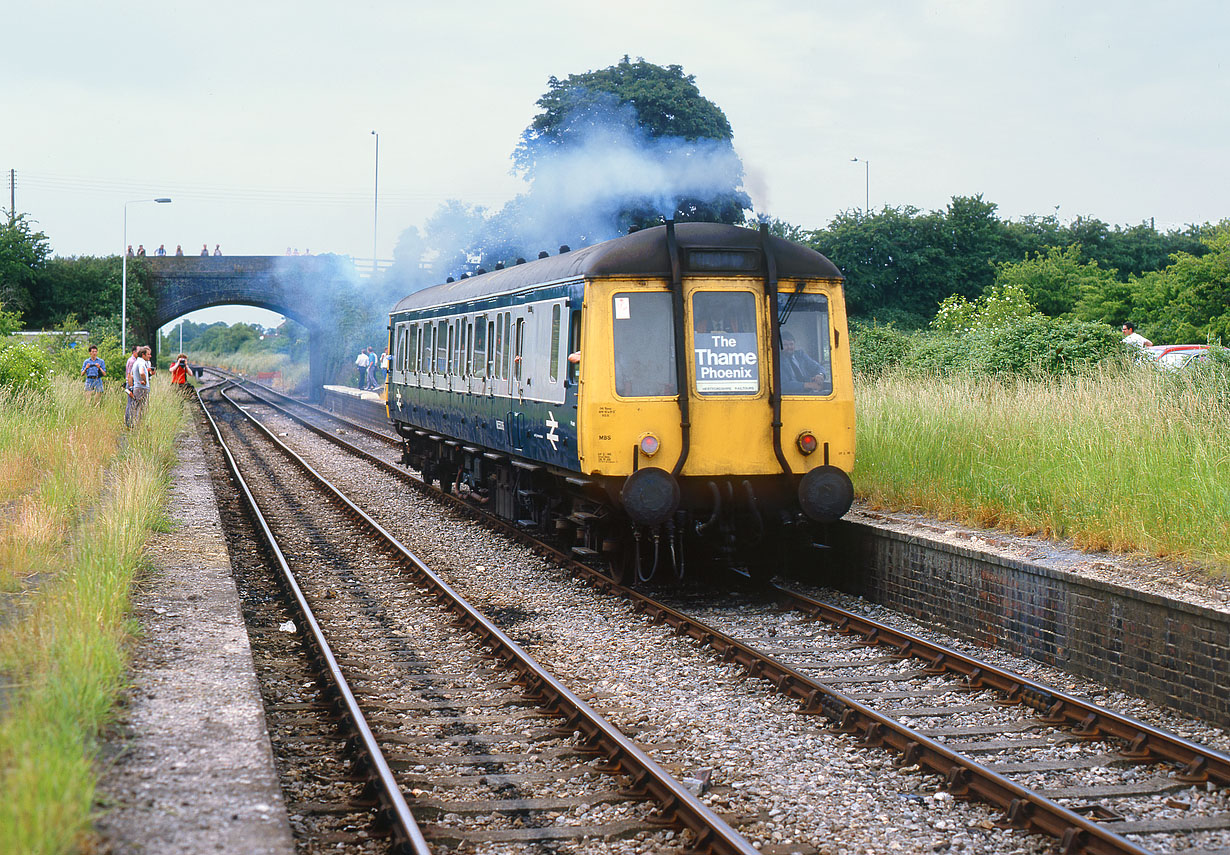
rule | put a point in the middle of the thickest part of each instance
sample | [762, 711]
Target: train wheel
[624, 563]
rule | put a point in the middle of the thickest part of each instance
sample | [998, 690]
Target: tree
[1057, 281]
[23, 252]
[661, 111]
[1189, 301]
[88, 287]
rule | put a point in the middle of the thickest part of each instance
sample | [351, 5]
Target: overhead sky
[256, 118]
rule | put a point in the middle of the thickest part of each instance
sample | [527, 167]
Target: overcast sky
[256, 118]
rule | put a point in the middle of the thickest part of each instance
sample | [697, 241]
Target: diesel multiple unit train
[680, 393]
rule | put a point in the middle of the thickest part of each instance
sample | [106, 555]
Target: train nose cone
[650, 496]
[826, 493]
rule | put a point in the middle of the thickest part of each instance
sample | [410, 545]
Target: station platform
[366, 407]
[188, 766]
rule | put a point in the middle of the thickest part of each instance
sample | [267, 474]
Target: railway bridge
[302, 288]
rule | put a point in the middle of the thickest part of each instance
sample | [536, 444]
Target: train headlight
[807, 442]
[649, 445]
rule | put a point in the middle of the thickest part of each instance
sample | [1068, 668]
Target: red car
[1178, 356]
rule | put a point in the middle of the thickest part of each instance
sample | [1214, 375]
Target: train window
[499, 347]
[725, 344]
[452, 348]
[491, 359]
[508, 345]
[442, 347]
[553, 365]
[644, 344]
[411, 352]
[480, 346]
[519, 349]
[429, 349]
[807, 365]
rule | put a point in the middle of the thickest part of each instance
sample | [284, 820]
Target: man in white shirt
[1130, 336]
[139, 392]
[360, 362]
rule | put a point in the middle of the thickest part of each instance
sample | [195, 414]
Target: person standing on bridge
[179, 249]
[140, 250]
[161, 250]
[204, 249]
[217, 249]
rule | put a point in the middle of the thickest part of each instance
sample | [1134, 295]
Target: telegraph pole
[12, 196]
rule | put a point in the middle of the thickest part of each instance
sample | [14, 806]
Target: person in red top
[179, 374]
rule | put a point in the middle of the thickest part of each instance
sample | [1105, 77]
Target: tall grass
[65, 656]
[1118, 459]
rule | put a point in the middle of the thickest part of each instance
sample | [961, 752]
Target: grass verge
[65, 655]
[1133, 460]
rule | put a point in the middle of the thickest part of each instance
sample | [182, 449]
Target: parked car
[1178, 356]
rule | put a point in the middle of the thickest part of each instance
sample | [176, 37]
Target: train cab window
[725, 343]
[574, 346]
[807, 365]
[480, 346]
[553, 365]
[644, 344]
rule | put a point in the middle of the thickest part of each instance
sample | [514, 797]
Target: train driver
[800, 373]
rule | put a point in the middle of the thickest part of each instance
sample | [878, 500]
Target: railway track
[460, 738]
[1094, 780]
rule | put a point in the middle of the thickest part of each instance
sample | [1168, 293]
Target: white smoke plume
[608, 174]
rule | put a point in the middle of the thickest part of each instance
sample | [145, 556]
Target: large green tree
[660, 104]
[23, 253]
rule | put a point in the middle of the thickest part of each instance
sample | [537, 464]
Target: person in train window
[800, 373]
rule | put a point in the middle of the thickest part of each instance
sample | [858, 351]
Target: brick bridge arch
[299, 287]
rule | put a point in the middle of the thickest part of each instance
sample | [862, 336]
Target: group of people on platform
[179, 250]
[138, 371]
[372, 369]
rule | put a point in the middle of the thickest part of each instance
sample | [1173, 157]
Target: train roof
[642, 253]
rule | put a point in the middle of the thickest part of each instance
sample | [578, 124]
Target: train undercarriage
[708, 527]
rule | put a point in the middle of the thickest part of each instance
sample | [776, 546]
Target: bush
[1038, 344]
[876, 348]
[23, 366]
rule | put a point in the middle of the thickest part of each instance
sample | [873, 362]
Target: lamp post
[162, 200]
[375, 201]
[867, 169]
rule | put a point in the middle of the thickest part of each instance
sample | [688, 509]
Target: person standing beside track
[179, 374]
[139, 392]
[360, 362]
[94, 369]
[371, 369]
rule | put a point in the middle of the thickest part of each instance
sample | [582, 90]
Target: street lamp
[124, 272]
[867, 200]
[375, 201]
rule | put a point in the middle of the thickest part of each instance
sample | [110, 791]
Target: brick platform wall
[1167, 651]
